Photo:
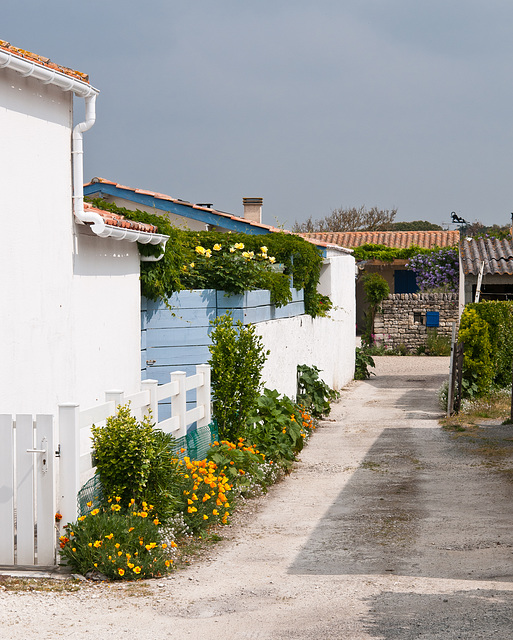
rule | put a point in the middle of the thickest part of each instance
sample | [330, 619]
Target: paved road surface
[389, 528]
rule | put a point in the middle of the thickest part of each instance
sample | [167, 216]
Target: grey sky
[311, 105]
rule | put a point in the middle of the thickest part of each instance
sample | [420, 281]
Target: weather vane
[457, 219]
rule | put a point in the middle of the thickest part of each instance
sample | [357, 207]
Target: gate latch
[44, 451]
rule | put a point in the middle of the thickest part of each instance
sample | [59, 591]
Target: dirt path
[389, 528]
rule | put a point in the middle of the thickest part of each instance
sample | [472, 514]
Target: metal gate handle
[44, 451]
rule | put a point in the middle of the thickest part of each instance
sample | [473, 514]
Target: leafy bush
[134, 461]
[237, 358]
[312, 392]
[376, 289]
[499, 317]
[363, 360]
[278, 427]
[477, 365]
[119, 542]
[437, 345]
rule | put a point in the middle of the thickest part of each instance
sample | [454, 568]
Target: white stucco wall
[69, 312]
[327, 343]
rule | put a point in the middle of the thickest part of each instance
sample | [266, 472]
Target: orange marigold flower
[58, 517]
[121, 572]
[95, 512]
[137, 569]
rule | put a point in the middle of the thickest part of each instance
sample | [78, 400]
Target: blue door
[405, 281]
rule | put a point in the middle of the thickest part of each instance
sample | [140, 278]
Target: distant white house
[69, 275]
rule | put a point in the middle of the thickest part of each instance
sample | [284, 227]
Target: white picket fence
[41, 473]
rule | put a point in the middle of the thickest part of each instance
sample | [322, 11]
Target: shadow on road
[416, 506]
[476, 615]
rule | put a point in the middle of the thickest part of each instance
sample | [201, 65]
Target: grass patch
[8, 583]
[483, 430]
[494, 406]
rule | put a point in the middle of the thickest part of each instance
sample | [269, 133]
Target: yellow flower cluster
[205, 492]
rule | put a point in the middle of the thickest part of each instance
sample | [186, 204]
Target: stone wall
[402, 320]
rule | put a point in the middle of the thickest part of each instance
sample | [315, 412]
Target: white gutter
[77, 153]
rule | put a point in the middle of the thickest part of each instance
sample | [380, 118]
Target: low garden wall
[405, 318]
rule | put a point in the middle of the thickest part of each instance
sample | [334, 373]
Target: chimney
[253, 209]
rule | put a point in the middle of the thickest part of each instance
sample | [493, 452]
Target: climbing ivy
[301, 262]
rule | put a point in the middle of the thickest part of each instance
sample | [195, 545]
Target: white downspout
[78, 168]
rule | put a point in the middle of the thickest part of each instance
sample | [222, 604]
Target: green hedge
[486, 328]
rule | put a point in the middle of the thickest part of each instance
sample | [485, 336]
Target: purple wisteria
[436, 270]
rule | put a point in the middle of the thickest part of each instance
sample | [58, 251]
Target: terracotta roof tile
[395, 239]
[117, 220]
[44, 62]
[185, 203]
[496, 254]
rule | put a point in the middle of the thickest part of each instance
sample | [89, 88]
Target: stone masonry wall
[402, 320]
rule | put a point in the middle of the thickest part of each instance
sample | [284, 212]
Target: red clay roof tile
[44, 62]
[396, 239]
[117, 220]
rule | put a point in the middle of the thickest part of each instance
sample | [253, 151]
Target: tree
[414, 225]
[478, 229]
[353, 219]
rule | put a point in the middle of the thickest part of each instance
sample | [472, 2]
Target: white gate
[27, 490]
[29, 453]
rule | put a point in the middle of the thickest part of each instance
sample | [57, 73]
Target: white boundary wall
[327, 343]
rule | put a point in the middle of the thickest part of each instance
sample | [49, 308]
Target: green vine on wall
[386, 254]
[301, 262]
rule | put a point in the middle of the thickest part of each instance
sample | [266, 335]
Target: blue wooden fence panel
[177, 339]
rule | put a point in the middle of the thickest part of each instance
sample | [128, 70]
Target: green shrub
[499, 317]
[237, 358]
[312, 392]
[376, 289]
[277, 427]
[363, 360]
[477, 365]
[134, 460]
[437, 345]
[119, 542]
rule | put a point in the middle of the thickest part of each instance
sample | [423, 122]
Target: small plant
[278, 427]
[312, 392]
[363, 360]
[203, 493]
[237, 358]
[242, 463]
[119, 542]
[134, 460]
[437, 345]
[376, 290]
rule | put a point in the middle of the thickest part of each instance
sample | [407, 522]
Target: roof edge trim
[28, 68]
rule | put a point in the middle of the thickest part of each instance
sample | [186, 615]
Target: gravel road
[388, 528]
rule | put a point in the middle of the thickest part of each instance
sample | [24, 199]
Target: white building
[70, 320]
